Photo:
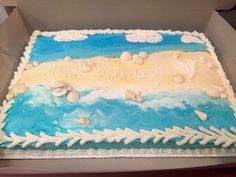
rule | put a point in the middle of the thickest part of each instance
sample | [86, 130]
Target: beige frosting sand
[156, 73]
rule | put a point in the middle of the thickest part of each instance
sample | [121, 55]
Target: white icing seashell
[130, 95]
[213, 93]
[186, 67]
[73, 96]
[143, 55]
[68, 59]
[36, 63]
[20, 88]
[69, 88]
[202, 60]
[137, 60]
[211, 65]
[29, 66]
[201, 115]
[9, 96]
[84, 67]
[83, 121]
[126, 56]
[178, 79]
[59, 84]
[139, 99]
[58, 92]
[175, 55]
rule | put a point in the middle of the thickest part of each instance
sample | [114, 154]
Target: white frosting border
[128, 135]
[108, 153]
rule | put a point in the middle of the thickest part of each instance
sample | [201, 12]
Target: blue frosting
[109, 45]
[38, 110]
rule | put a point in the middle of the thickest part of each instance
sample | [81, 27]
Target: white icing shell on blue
[144, 36]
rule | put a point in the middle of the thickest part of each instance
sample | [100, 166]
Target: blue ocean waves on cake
[109, 45]
[37, 111]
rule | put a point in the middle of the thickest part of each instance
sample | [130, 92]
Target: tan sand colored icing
[156, 73]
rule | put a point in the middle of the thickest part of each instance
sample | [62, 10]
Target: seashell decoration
[59, 84]
[69, 88]
[202, 60]
[201, 115]
[35, 63]
[137, 59]
[19, 88]
[178, 79]
[73, 96]
[130, 95]
[68, 59]
[9, 96]
[29, 66]
[143, 55]
[83, 121]
[61, 88]
[126, 56]
[85, 67]
[137, 97]
[186, 67]
[58, 92]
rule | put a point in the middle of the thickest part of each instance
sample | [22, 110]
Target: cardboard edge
[13, 37]
[216, 31]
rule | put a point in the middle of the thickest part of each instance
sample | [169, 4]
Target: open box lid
[123, 14]
[80, 14]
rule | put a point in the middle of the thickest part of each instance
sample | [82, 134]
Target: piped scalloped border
[186, 134]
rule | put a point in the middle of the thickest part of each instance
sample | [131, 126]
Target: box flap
[190, 4]
[14, 36]
[224, 38]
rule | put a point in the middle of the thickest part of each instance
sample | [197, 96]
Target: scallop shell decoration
[83, 121]
[186, 67]
[59, 84]
[143, 55]
[58, 92]
[68, 59]
[73, 96]
[178, 79]
[137, 59]
[126, 56]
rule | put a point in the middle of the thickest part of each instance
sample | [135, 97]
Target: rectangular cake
[108, 93]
